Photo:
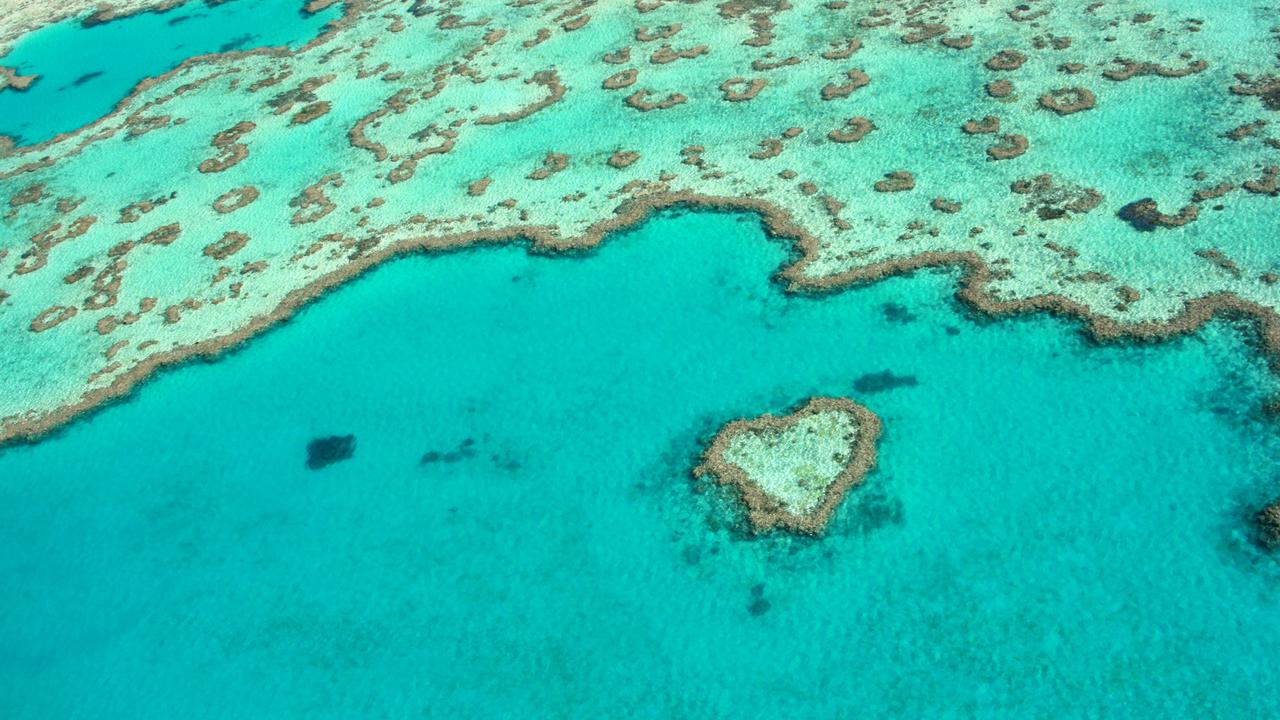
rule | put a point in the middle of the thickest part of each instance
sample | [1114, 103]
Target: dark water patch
[83, 79]
[691, 554]
[870, 508]
[882, 381]
[237, 43]
[465, 450]
[325, 451]
[759, 605]
[896, 313]
[504, 462]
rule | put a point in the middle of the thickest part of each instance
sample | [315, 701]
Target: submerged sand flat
[1114, 161]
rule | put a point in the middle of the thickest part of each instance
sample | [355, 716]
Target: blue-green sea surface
[1055, 529]
[85, 72]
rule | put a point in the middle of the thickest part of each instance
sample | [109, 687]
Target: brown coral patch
[314, 6]
[640, 101]
[226, 246]
[987, 125]
[1006, 60]
[312, 203]
[1211, 193]
[768, 63]
[764, 512]
[37, 256]
[617, 57]
[623, 158]
[1145, 215]
[857, 79]
[667, 54]
[740, 89]
[551, 164]
[1026, 13]
[303, 93]
[1066, 101]
[842, 49]
[548, 79]
[854, 130]
[922, 31]
[999, 88]
[1052, 200]
[11, 80]
[52, 317]
[1220, 260]
[1267, 526]
[619, 80]
[106, 286]
[231, 150]
[769, 148]
[78, 274]
[234, 199]
[133, 212]
[944, 205]
[163, 235]
[1009, 147]
[28, 195]
[476, 188]
[310, 112]
[1131, 68]
[576, 24]
[896, 181]
[1267, 184]
[1265, 88]
[644, 34]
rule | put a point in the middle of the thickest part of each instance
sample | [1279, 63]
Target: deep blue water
[84, 73]
[1055, 530]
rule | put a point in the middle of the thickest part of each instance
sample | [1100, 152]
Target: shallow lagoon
[85, 72]
[1056, 529]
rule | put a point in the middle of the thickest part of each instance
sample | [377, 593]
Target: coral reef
[792, 471]
[1267, 522]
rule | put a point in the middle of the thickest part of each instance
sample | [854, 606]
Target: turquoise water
[1055, 529]
[84, 73]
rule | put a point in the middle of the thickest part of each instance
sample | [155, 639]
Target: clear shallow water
[85, 72]
[1055, 529]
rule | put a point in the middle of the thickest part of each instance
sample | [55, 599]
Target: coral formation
[792, 471]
